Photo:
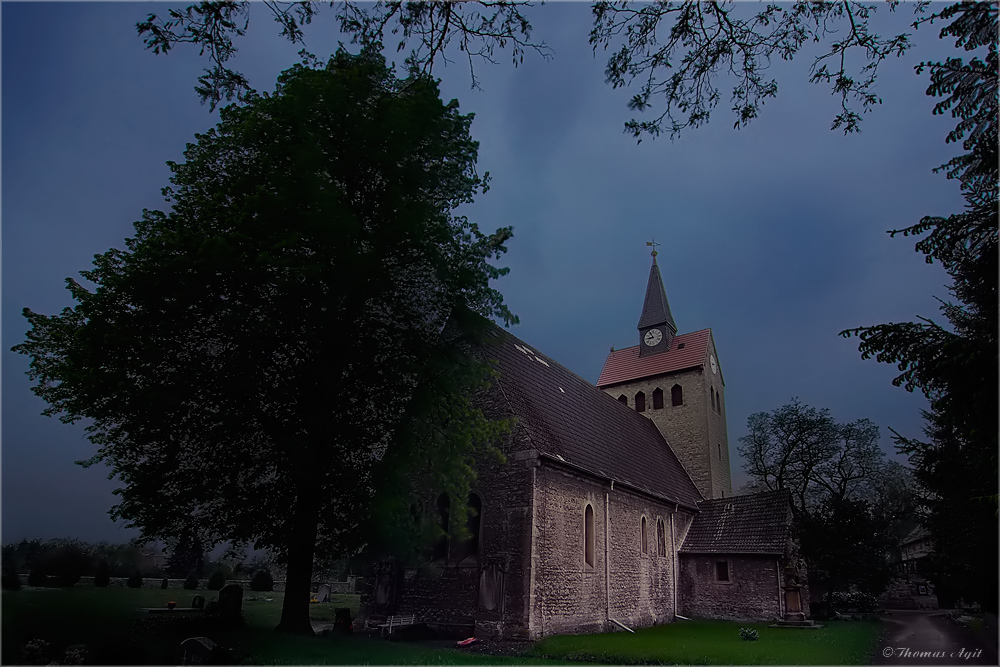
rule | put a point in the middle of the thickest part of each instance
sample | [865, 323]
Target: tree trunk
[298, 579]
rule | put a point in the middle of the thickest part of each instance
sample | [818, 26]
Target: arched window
[661, 540]
[443, 515]
[588, 535]
[640, 402]
[711, 391]
[676, 395]
[657, 398]
[718, 402]
[623, 399]
[472, 523]
[642, 537]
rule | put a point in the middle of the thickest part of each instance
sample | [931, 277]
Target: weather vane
[653, 244]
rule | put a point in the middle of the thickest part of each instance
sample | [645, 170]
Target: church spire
[656, 325]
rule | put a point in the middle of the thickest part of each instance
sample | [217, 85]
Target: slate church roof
[573, 421]
[752, 524]
[655, 309]
[686, 351]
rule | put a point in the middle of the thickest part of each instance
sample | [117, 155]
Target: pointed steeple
[655, 315]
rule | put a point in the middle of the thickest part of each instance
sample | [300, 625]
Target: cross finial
[653, 244]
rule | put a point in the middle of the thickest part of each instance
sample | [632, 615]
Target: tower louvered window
[640, 402]
[657, 398]
[676, 395]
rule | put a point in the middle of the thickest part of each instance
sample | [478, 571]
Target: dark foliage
[10, 580]
[216, 581]
[67, 563]
[102, 574]
[187, 556]
[955, 365]
[135, 580]
[673, 51]
[165, 584]
[37, 577]
[191, 582]
[262, 581]
[846, 497]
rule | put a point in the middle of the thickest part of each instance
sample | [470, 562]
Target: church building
[614, 506]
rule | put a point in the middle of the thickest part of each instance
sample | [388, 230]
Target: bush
[102, 576]
[10, 581]
[135, 581]
[749, 635]
[261, 581]
[854, 602]
[37, 578]
[165, 583]
[216, 581]
[191, 583]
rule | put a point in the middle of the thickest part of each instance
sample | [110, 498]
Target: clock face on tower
[652, 337]
[715, 366]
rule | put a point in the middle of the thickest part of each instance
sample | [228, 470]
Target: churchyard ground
[109, 622]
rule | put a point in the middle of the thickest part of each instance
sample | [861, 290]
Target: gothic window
[657, 398]
[711, 391]
[588, 536]
[623, 399]
[718, 402]
[472, 523]
[661, 540]
[722, 571]
[640, 402]
[443, 512]
[645, 544]
[676, 395]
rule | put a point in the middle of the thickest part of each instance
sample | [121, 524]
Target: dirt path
[931, 638]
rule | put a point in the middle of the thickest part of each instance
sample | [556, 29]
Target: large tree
[675, 52]
[955, 363]
[278, 359]
[846, 496]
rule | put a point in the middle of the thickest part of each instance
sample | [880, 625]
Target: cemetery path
[923, 637]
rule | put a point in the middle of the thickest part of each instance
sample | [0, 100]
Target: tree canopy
[675, 52]
[277, 359]
[955, 363]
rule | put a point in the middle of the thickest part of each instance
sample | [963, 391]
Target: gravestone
[197, 651]
[342, 621]
[231, 602]
[324, 593]
[197, 602]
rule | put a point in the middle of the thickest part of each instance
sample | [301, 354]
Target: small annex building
[614, 505]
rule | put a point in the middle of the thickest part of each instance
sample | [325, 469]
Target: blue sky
[773, 235]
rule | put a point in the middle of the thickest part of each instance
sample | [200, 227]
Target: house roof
[571, 420]
[655, 309]
[686, 351]
[752, 524]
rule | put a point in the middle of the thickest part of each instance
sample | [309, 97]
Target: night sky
[773, 235]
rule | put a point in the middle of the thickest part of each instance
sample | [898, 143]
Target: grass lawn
[108, 620]
[718, 643]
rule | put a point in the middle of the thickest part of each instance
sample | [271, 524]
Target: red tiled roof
[570, 419]
[626, 365]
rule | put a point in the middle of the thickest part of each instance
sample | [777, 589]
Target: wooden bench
[396, 622]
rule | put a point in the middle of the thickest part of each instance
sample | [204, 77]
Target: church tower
[676, 381]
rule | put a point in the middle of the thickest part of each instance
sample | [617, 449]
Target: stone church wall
[571, 596]
[718, 436]
[752, 592]
[685, 427]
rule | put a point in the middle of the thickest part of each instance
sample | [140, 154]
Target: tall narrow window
[718, 402]
[623, 399]
[661, 540]
[711, 391]
[588, 536]
[676, 395]
[640, 402]
[719, 445]
[721, 571]
[472, 523]
[657, 398]
[642, 538]
[443, 512]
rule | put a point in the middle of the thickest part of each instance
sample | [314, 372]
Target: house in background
[614, 506]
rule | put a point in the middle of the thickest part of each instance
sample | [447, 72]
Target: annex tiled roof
[686, 351]
[751, 524]
[570, 419]
[655, 309]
